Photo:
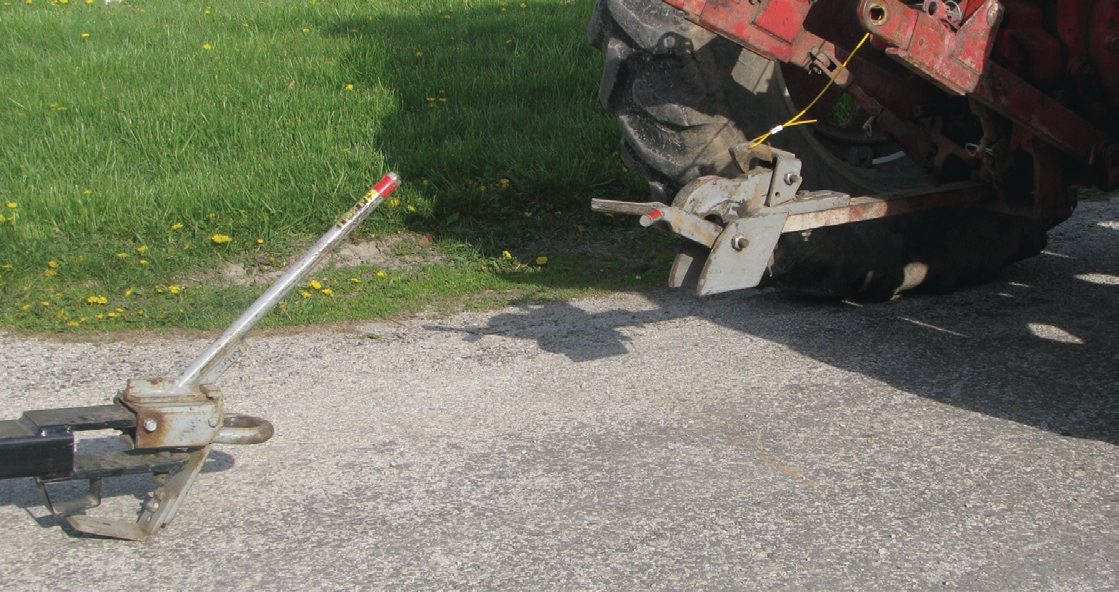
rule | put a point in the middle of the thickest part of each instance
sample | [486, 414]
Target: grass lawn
[134, 133]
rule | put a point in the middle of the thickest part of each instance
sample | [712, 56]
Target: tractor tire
[683, 96]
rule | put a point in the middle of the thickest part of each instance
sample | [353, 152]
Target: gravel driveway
[652, 441]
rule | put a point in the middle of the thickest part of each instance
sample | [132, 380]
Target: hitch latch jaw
[733, 226]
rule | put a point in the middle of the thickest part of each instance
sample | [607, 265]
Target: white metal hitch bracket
[732, 226]
[169, 424]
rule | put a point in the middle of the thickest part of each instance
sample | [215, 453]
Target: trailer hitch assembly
[169, 425]
[732, 226]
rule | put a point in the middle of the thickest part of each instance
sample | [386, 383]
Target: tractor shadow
[1038, 345]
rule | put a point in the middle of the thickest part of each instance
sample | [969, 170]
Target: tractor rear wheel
[683, 96]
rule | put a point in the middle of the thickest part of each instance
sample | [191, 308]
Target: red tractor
[940, 139]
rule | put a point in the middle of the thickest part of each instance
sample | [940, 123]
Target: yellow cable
[796, 118]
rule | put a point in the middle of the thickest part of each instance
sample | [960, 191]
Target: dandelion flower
[541, 260]
[207, 46]
[97, 300]
[259, 241]
[305, 30]
[6, 266]
[100, 317]
[419, 54]
[315, 285]
[52, 264]
[349, 87]
[74, 323]
[381, 274]
[50, 273]
[507, 254]
[85, 35]
[25, 307]
[394, 202]
[220, 239]
[176, 226]
[45, 303]
[411, 208]
[87, 192]
[504, 183]
[129, 292]
[120, 309]
[355, 280]
[143, 262]
[12, 205]
[174, 289]
[112, 315]
[142, 249]
[305, 294]
[327, 292]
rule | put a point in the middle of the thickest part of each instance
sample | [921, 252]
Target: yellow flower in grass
[541, 260]
[349, 87]
[411, 208]
[97, 300]
[142, 249]
[259, 241]
[207, 46]
[85, 35]
[45, 303]
[305, 294]
[220, 239]
[327, 292]
[122, 255]
[25, 307]
[507, 254]
[143, 262]
[12, 205]
[176, 226]
[129, 292]
[355, 280]
[50, 273]
[52, 264]
[315, 285]
[174, 289]
[382, 274]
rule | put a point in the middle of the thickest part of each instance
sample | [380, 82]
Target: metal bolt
[792, 178]
[150, 425]
[739, 242]
[213, 421]
[151, 505]
[668, 42]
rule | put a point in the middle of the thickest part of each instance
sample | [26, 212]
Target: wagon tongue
[169, 425]
[732, 225]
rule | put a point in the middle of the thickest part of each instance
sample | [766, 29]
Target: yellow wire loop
[796, 118]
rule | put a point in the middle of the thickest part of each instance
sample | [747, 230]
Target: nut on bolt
[792, 178]
[739, 242]
[150, 425]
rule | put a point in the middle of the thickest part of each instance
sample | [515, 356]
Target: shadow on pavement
[1038, 346]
